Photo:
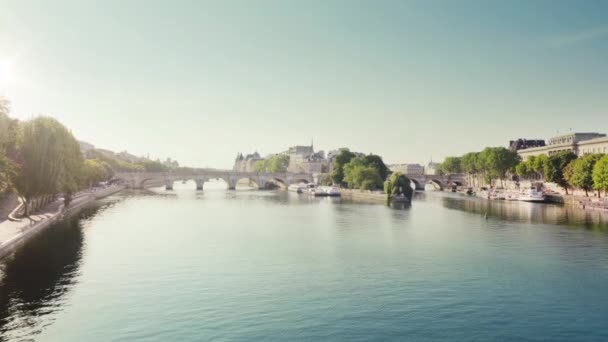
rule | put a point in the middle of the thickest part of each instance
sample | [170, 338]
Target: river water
[274, 266]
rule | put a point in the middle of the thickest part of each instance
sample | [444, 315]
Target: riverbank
[15, 234]
[364, 195]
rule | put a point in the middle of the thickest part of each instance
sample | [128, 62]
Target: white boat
[497, 195]
[512, 196]
[322, 191]
[532, 195]
[333, 191]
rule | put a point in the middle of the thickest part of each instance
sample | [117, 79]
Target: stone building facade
[578, 143]
[305, 159]
[408, 169]
[246, 163]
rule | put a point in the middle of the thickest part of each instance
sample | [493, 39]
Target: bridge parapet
[138, 179]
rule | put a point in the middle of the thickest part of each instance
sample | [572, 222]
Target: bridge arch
[417, 185]
[252, 182]
[436, 183]
[276, 181]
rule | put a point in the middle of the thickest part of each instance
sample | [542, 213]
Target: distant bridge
[138, 180]
[440, 182]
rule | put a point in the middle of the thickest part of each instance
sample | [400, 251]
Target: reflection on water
[37, 277]
[188, 265]
[526, 212]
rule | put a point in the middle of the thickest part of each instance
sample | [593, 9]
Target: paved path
[10, 229]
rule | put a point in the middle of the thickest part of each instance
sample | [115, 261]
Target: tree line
[40, 158]
[487, 166]
[588, 172]
[358, 171]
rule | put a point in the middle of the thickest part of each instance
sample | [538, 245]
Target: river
[275, 266]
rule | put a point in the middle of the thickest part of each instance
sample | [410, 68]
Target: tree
[568, 173]
[451, 165]
[343, 158]
[95, 172]
[153, 166]
[47, 157]
[497, 162]
[582, 172]
[554, 168]
[600, 175]
[538, 165]
[276, 163]
[360, 176]
[524, 170]
[377, 163]
[468, 164]
[7, 173]
[398, 185]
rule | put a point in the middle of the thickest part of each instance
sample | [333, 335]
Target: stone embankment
[365, 195]
[14, 234]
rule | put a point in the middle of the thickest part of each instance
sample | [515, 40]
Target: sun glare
[6, 73]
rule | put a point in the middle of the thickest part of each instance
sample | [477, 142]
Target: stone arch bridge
[138, 180]
[440, 182]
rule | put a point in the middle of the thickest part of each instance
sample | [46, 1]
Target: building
[595, 145]
[432, 168]
[578, 143]
[408, 169]
[522, 144]
[246, 163]
[305, 159]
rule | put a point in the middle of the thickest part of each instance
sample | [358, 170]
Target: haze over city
[200, 81]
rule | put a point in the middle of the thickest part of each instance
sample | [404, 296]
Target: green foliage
[343, 158]
[538, 164]
[554, 168]
[7, 173]
[116, 164]
[468, 162]
[276, 163]
[360, 176]
[377, 163]
[451, 165]
[568, 173]
[496, 162]
[600, 174]
[365, 172]
[524, 169]
[95, 171]
[152, 166]
[48, 154]
[582, 172]
[398, 184]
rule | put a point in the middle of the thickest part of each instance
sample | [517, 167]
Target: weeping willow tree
[49, 160]
[9, 130]
[398, 185]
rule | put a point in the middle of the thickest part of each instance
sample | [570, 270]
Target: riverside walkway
[13, 233]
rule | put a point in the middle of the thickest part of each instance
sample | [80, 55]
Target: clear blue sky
[409, 80]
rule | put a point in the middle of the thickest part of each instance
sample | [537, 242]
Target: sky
[200, 81]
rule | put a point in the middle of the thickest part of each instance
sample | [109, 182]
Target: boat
[323, 191]
[512, 196]
[400, 199]
[299, 188]
[333, 191]
[532, 195]
[496, 195]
